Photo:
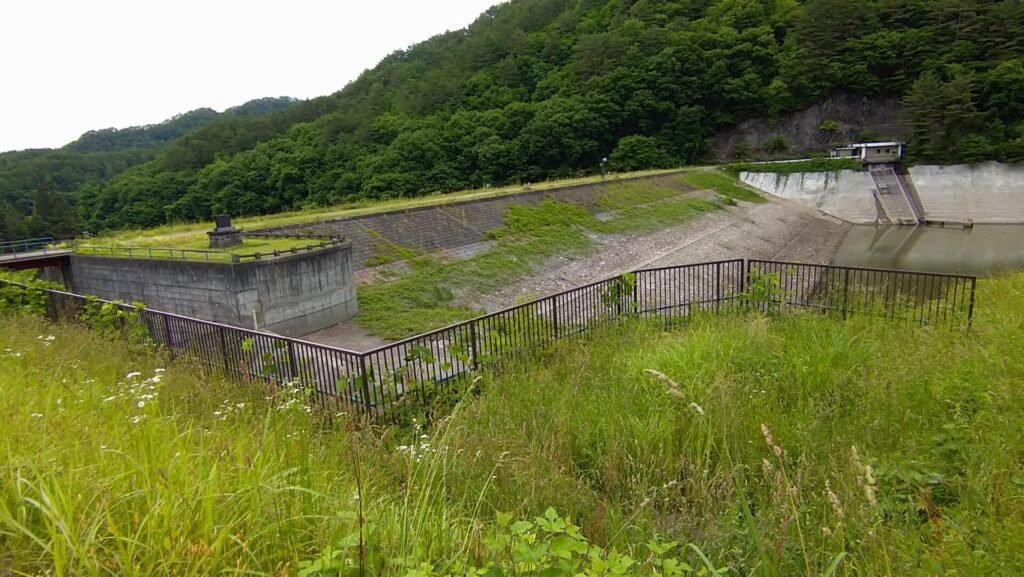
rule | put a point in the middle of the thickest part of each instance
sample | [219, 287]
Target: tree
[11, 223]
[52, 215]
[638, 152]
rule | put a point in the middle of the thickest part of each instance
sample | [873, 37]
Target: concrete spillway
[984, 193]
[895, 202]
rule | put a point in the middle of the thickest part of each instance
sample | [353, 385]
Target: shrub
[775, 144]
[829, 126]
[866, 135]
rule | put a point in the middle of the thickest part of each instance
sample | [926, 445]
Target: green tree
[11, 222]
[637, 153]
[52, 215]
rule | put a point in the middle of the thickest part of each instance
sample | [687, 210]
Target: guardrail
[416, 374]
[25, 245]
[192, 254]
[157, 253]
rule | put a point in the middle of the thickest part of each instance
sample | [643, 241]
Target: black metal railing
[417, 372]
[926, 298]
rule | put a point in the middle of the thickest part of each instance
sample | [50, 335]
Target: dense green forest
[536, 89]
[34, 183]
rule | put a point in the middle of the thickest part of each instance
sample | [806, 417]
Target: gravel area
[778, 230]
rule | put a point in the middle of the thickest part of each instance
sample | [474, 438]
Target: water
[982, 250]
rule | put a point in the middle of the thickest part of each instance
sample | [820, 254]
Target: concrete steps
[899, 207]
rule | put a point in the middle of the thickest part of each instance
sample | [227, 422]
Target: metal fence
[25, 245]
[413, 375]
[207, 255]
[926, 298]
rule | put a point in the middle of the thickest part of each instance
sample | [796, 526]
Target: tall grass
[791, 445]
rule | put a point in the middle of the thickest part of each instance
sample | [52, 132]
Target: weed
[425, 298]
[725, 185]
[813, 165]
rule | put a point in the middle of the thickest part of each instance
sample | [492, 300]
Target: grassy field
[742, 445]
[186, 235]
[190, 248]
[425, 298]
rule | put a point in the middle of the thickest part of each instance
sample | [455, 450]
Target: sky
[70, 66]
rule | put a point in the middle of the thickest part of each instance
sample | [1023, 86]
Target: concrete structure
[447, 226]
[847, 194]
[897, 204]
[292, 295]
[871, 152]
[990, 192]
[225, 235]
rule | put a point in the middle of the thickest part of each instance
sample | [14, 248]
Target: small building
[870, 152]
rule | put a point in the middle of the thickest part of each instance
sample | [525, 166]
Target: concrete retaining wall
[990, 192]
[846, 194]
[450, 225]
[293, 295]
[985, 193]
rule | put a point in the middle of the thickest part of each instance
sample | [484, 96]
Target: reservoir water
[982, 250]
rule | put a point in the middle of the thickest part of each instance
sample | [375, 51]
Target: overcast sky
[74, 65]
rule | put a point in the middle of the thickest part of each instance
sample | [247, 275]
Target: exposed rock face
[802, 131]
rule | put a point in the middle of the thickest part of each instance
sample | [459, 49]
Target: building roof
[872, 144]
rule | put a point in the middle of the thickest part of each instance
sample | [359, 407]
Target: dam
[986, 193]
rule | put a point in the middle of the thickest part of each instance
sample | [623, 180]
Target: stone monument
[224, 235]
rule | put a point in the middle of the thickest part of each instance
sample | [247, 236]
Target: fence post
[636, 304]
[846, 289]
[167, 335]
[619, 281]
[367, 405]
[745, 283]
[224, 351]
[718, 286]
[472, 344]
[291, 360]
[970, 308]
[554, 314]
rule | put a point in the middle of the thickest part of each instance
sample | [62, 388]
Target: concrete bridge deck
[36, 258]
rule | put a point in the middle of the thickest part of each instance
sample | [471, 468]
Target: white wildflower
[697, 409]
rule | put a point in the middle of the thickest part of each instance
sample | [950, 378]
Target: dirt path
[777, 229]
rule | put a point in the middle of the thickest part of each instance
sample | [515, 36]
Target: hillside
[767, 446]
[536, 89]
[96, 157]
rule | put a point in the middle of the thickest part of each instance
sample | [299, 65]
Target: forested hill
[96, 157]
[546, 88]
[112, 139]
